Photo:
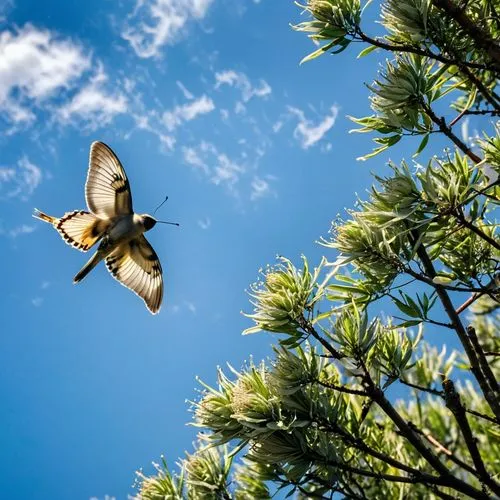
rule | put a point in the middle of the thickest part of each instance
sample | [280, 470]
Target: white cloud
[36, 65]
[205, 223]
[187, 112]
[156, 23]
[176, 308]
[226, 171]
[260, 188]
[191, 307]
[184, 90]
[242, 83]
[5, 8]
[20, 181]
[37, 301]
[93, 104]
[218, 168]
[308, 133]
[22, 229]
[6, 174]
[240, 108]
[277, 126]
[167, 141]
[192, 157]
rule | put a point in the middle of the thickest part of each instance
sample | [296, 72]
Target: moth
[112, 223]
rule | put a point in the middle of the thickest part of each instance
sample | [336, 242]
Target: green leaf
[406, 309]
[343, 45]
[423, 143]
[407, 324]
[375, 152]
[412, 304]
[367, 51]
[321, 316]
[319, 52]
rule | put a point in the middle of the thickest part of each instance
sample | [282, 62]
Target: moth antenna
[171, 223]
[166, 198]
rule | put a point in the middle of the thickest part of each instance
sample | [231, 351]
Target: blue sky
[204, 101]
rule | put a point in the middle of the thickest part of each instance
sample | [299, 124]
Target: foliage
[321, 417]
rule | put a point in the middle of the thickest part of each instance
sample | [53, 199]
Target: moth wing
[136, 265]
[107, 189]
[79, 229]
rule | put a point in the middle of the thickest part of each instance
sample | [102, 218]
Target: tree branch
[416, 50]
[448, 453]
[445, 477]
[434, 392]
[493, 112]
[488, 391]
[493, 420]
[446, 130]
[489, 96]
[483, 363]
[453, 402]
[482, 38]
[471, 227]
[340, 388]
[309, 329]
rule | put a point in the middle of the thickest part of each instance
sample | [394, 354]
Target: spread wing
[136, 266]
[107, 190]
[79, 229]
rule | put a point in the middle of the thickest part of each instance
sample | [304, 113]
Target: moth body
[112, 222]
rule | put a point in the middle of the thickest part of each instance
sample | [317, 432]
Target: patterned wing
[136, 266]
[79, 229]
[107, 189]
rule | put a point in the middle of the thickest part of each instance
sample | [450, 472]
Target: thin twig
[435, 392]
[454, 404]
[445, 477]
[493, 420]
[483, 363]
[446, 130]
[340, 388]
[415, 50]
[459, 328]
[309, 329]
[440, 448]
[493, 112]
[469, 225]
[480, 36]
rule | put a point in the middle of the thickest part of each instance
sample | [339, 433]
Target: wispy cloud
[37, 301]
[241, 82]
[21, 180]
[217, 166]
[309, 133]
[187, 112]
[205, 223]
[193, 158]
[260, 188]
[191, 307]
[184, 90]
[20, 230]
[277, 126]
[156, 23]
[176, 308]
[36, 65]
[226, 171]
[93, 105]
[5, 7]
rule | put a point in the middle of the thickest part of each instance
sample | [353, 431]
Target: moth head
[148, 221]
